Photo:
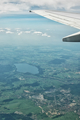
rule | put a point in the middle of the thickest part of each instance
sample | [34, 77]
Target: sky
[20, 6]
[31, 28]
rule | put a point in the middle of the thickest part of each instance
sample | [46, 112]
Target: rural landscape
[50, 93]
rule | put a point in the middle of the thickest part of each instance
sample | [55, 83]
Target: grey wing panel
[70, 19]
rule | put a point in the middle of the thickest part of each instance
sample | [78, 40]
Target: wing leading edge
[70, 19]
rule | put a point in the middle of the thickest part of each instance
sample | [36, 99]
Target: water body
[24, 68]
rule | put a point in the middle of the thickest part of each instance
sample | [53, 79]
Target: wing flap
[72, 38]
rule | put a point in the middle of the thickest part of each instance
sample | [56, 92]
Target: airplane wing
[71, 19]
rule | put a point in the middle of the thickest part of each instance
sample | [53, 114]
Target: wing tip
[30, 11]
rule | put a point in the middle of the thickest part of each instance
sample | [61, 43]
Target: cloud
[7, 28]
[9, 32]
[27, 31]
[1, 30]
[20, 33]
[37, 32]
[46, 35]
[25, 5]
[42, 34]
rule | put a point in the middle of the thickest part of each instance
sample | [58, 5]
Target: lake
[24, 68]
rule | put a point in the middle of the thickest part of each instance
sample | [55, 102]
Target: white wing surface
[71, 19]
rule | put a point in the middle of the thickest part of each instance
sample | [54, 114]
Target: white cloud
[42, 34]
[20, 33]
[46, 35]
[25, 5]
[18, 30]
[27, 31]
[37, 32]
[7, 28]
[9, 32]
[1, 30]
